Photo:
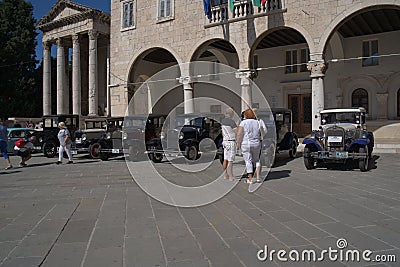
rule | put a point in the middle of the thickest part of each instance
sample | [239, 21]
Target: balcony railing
[242, 10]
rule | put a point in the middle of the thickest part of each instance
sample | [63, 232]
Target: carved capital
[93, 34]
[317, 68]
[60, 42]
[75, 39]
[46, 45]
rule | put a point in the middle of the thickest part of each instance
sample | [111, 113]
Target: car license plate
[78, 141]
[334, 139]
[342, 155]
[115, 151]
[74, 152]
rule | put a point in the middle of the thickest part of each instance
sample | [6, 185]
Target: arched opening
[282, 55]
[359, 98]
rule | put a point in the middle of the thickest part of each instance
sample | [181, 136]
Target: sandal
[247, 181]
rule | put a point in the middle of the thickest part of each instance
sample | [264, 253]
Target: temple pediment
[66, 12]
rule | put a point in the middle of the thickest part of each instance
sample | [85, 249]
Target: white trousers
[66, 148]
[251, 156]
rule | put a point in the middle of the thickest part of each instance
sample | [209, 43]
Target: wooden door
[300, 104]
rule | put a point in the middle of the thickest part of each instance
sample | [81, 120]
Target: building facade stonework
[303, 55]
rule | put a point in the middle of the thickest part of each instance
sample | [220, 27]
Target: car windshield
[340, 117]
[192, 121]
[138, 122]
[95, 124]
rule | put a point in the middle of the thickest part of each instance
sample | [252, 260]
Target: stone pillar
[46, 78]
[317, 68]
[60, 77]
[246, 94]
[76, 75]
[93, 88]
[382, 106]
[188, 104]
[66, 80]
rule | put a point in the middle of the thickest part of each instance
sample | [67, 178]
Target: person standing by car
[248, 137]
[3, 143]
[228, 126]
[65, 143]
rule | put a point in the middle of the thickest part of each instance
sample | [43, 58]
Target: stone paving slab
[92, 213]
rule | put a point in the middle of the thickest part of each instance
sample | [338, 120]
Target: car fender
[104, 143]
[287, 140]
[312, 142]
[189, 142]
[371, 139]
[359, 142]
[155, 142]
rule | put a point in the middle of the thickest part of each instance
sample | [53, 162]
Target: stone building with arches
[303, 55]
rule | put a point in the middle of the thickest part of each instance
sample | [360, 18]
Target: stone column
[46, 78]
[188, 104]
[382, 106]
[93, 88]
[246, 94]
[76, 75]
[60, 77]
[317, 68]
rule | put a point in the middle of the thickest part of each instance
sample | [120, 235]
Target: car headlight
[108, 135]
[181, 135]
[364, 135]
[84, 137]
[162, 135]
[124, 136]
[349, 134]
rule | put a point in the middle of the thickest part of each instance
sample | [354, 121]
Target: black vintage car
[47, 139]
[139, 129]
[187, 136]
[110, 144]
[87, 140]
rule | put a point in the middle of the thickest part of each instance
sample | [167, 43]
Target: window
[164, 8]
[398, 103]
[127, 14]
[370, 53]
[359, 98]
[304, 58]
[291, 61]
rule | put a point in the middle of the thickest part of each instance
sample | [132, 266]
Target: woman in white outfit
[65, 143]
[249, 138]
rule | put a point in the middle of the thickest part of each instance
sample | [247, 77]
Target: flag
[263, 2]
[207, 8]
[257, 3]
[231, 4]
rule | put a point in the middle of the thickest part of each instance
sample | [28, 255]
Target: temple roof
[66, 12]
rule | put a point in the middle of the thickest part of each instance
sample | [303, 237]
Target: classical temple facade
[87, 31]
[303, 55]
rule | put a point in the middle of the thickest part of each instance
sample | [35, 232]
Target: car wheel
[103, 155]
[363, 164]
[155, 157]
[49, 149]
[293, 149]
[94, 150]
[309, 161]
[191, 153]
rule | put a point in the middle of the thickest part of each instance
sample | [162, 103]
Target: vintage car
[342, 136]
[139, 129]
[47, 140]
[15, 134]
[187, 136]
[110, 144]
[87, 140]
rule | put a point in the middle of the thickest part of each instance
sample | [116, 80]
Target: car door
[13, 136]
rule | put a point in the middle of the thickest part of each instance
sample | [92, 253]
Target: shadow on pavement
[10, 172]
[275, 175]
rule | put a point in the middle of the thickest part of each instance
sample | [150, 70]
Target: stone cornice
[48, 23]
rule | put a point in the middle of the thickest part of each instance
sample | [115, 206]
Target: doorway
[300, 104]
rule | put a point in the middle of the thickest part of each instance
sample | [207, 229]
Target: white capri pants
[251, 156]
[66, 148]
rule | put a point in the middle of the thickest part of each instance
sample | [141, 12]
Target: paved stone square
[92, 213]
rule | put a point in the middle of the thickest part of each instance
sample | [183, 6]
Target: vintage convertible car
[342, 136]
[188, 138]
